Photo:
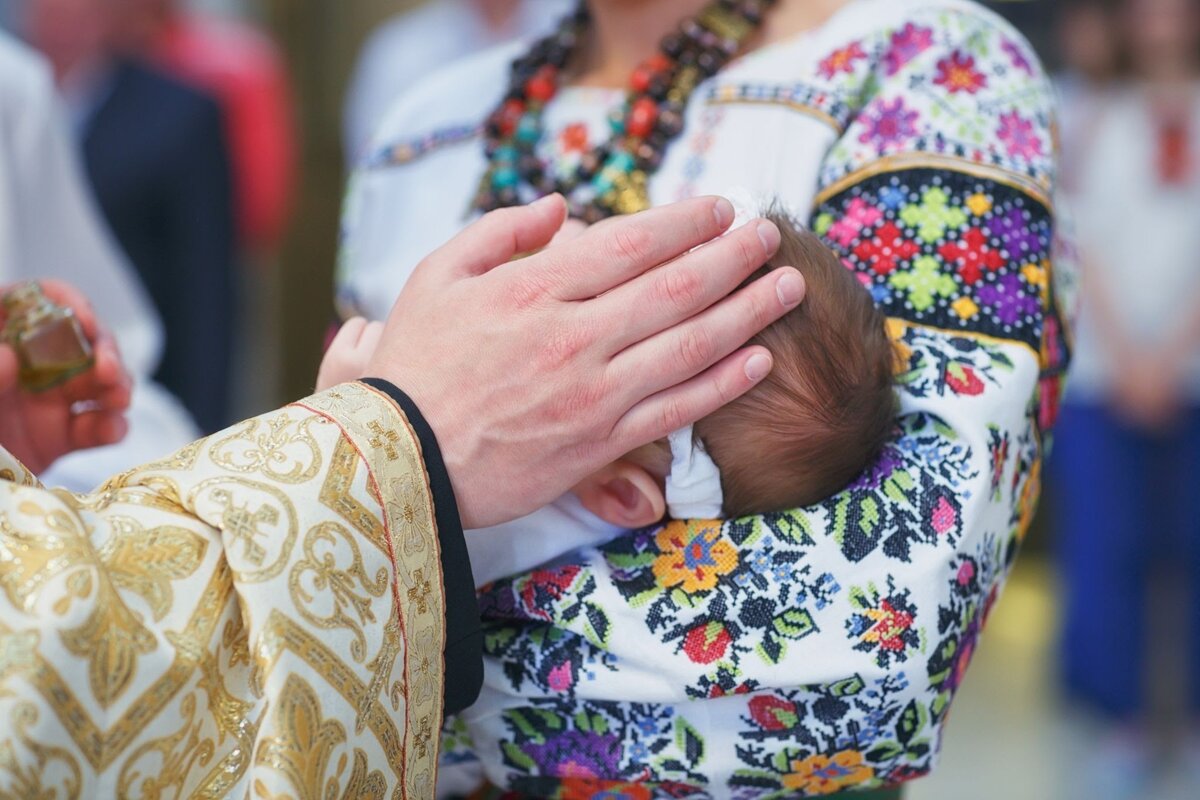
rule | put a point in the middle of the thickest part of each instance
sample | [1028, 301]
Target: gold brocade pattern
[260, 615]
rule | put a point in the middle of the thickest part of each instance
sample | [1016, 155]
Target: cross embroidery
[419, 593]
[242, 525]
[422, 736]
[384, 439]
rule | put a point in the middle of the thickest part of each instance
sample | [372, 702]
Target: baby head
[818, 420]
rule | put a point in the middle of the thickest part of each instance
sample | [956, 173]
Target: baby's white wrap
[694, 485]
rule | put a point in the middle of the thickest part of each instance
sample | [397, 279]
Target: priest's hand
[535, 372]
[87, 411]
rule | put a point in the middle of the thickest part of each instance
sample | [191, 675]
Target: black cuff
[464, 632]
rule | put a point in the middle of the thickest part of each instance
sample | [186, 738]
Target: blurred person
[241, 68]
[413, 44]
[1090, 51]
[49, 228]
[156, 159]
[1128, 451]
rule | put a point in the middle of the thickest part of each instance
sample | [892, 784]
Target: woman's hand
[536, 372]
[87, 411]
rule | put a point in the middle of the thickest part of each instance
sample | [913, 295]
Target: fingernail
[723, 211]
[758, 367]
[790, 289]
[768, 234]
[548, 200]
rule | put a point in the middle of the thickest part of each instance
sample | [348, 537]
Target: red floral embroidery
[890, 625]
[957, 73]
[706, 643]
[886, 249]
[963, 380]
[972, 255]
[842, 60]
[773, 714]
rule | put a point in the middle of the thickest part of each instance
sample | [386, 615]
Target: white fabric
[410, 46]
[49, 228]
[1140, 240]
[539, 538]
[694, 484]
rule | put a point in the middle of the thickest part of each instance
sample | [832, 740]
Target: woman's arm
[805, 652]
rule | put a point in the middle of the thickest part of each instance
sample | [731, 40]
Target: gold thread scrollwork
[348, 588]
[302, 744]
[142, 562]
[36, 777]
[277, 447]
[160, 767]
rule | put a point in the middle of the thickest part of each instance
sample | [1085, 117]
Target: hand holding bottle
[80, 396]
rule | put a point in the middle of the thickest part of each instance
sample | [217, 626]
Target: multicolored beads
[613, 177]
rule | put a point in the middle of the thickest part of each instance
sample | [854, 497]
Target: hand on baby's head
[349, 353]
[805, 432]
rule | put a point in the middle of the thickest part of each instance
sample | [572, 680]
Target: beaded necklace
[612, 177]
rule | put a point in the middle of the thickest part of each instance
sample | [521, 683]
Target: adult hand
[535, 372]
[87, 411]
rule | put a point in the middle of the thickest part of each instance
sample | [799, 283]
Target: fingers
[348, 335]
[686, 286]
[96, 429]
[369, 339]
[669, 410]
[497, 237]
[571, 229]
[106, 385]
[10, 368]
[67, 295]
[678, 354]
[608, 255]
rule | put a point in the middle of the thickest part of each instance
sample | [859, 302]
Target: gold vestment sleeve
[261, 614]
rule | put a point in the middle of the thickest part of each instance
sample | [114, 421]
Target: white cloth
[49, 228]
[412, 45]
[693, 488]
[537, 539]
[1140, 239]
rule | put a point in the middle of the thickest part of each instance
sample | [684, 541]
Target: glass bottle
[48, 339]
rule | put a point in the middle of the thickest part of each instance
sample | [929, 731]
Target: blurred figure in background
[414, 44]
[155, 154]
[1128, 447]
[244, 71]
[49, 228]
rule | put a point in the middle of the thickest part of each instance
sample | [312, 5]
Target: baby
[800, 436]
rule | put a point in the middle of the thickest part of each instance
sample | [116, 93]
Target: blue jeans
[1125, 504]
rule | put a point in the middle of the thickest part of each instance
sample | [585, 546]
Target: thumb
[497, 238]
[10, 368]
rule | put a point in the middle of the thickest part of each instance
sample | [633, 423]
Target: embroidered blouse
[810, 651]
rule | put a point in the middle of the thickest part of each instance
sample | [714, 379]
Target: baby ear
[623, 494]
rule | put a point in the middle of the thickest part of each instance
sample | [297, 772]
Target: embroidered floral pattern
[955, 253]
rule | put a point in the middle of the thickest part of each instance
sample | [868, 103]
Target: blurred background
[1086, 683]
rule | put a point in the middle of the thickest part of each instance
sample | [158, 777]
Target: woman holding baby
[806, 648]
